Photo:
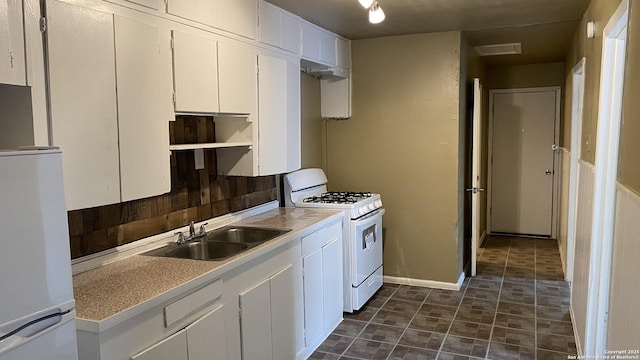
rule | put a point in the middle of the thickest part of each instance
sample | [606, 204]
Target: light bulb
[376, 15]
[365, 3]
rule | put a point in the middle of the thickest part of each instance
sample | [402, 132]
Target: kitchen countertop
[113, 288]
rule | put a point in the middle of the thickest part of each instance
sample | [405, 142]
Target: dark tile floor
[517, 307]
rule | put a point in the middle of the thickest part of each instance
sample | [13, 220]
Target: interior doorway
[606, 176]
[523, 161]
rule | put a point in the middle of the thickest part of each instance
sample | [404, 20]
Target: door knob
[548, 172]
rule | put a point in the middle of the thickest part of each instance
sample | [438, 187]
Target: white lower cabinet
[267, 322]
[206, 337]
[172, 348]
[259, 309]
[322, 269]
[202, 340]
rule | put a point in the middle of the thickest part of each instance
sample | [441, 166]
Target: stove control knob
[362, 210]
[372, 207]
[378, 203]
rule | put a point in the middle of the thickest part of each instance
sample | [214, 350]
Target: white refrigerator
[37, 316]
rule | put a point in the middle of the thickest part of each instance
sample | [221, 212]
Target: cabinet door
[291, 32]
[327, 48]
[202, 11]
[343, 48]
[332, 283]
[83, 103]
[272, 115]
[293, 154]
[206, 338]
[239, 17]
[311, 38]
[237, 78]
[172, 348]
[12, 59]
[143, 130]
[195, 73]
[270, 29]
[255, 322]
[287, 325]
[313, 296]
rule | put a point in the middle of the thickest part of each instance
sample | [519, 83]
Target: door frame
[476, 178]
[556, 162]
[577, 106]
[606, 176]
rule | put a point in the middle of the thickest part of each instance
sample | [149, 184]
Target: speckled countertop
[113, 288]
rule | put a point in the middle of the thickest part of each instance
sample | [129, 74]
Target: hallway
[517, 307]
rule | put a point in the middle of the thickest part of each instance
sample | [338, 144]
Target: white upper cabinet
[202, 11]
[278, 115]
[195, 66]
[12, 54]
[239, 17]
[291, 30]
[311, 39]
[343, 55]
[293, 157]
[272, 114]
[237, 65]
[142, 122]
[278, 28]
[327, 48]
[83, 103]
[318, 45]
[270, 24]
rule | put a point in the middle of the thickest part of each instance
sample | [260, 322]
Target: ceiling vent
[499, 49]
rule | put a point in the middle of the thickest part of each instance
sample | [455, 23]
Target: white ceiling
[545, 27]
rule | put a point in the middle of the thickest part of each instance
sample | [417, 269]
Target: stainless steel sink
[244, 234]
[219, 244]
[206, 250]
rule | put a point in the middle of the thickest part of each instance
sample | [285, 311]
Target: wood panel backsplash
[195, 195]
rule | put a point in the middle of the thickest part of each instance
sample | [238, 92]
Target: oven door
[366, 246]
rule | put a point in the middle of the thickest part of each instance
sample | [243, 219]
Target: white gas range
[361, 230]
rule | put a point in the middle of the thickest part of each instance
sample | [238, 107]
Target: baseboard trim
[575, 331]
[426, 283]
[483, 237]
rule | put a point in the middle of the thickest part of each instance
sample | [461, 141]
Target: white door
[476, 188]
[522, 167]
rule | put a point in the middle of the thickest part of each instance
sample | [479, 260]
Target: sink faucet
[192, 233]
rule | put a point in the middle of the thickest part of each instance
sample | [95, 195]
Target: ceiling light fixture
[366, 3]
[376, 15]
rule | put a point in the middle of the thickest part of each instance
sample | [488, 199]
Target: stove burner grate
[338, 197]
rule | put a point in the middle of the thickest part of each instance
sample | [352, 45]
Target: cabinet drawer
[179, 309]
[311, 243]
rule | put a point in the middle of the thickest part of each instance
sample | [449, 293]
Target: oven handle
[372, 214]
